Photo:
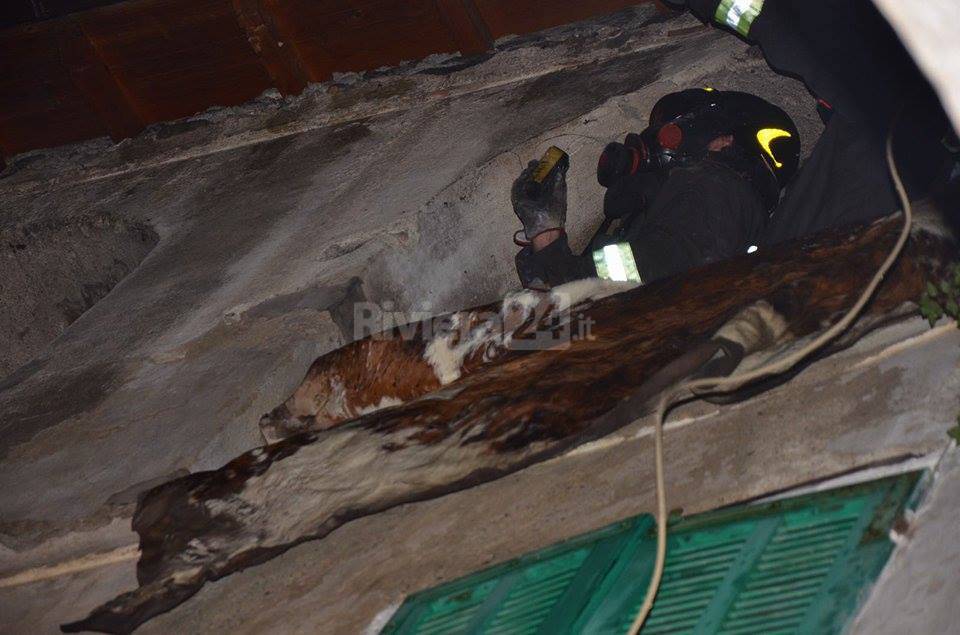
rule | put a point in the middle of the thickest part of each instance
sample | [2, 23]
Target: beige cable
[700, 387]
[69, 567]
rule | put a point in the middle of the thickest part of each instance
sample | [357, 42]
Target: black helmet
[682, 125]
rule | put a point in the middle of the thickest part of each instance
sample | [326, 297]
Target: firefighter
[715, 174]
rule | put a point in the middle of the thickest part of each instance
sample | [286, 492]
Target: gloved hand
[548, 209]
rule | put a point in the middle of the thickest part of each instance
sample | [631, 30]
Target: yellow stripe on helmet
[768, 136]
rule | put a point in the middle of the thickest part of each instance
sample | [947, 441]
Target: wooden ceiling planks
[40, 105]
[282, 62]
[362, 37]
[470, 32]
[112, 103]
[112, 70]
[177, 61]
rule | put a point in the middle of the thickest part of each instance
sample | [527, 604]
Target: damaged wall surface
[490, 409]
[265, 215]
[54, 271]
[272, 219]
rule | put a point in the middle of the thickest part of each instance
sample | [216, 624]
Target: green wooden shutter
[799, 565]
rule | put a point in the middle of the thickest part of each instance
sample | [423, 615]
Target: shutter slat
[793, 566]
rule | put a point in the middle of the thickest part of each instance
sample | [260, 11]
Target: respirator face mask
[677, 142]
[625, 169]
[765, 146]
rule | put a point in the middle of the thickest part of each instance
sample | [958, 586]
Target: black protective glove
[544, 211]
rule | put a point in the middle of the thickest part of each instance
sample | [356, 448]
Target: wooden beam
[278, 58]
[99, 86]
[466, 25]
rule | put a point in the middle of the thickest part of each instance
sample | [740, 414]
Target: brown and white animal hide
[413, 360]
[478, 409]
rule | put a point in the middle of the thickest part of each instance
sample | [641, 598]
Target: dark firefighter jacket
[849, 58]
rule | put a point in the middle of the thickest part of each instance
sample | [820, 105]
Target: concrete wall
[265, 214]
[269, 214]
